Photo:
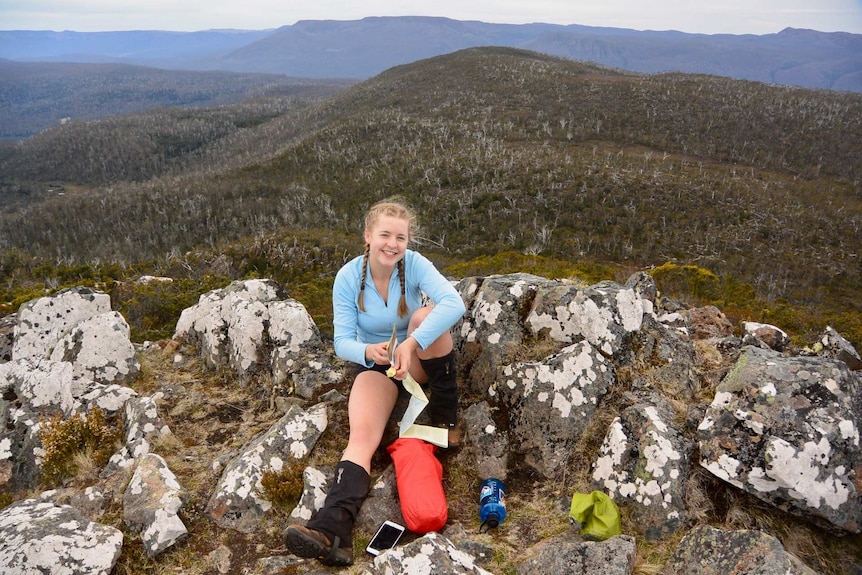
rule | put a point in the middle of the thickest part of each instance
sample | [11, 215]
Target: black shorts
[376, 367]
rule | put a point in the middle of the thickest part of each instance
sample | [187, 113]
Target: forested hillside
[40, 95]
[500, 150]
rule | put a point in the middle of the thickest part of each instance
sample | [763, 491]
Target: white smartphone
[386, 537]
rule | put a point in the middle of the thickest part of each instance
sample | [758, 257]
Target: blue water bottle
[492, 503]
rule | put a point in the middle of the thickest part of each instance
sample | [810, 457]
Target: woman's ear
[367, 236]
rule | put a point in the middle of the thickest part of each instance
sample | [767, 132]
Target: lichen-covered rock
[44, 387]
[427, 555]
[706, 550]
[643, 464]
[252, 328]
[29, 392]
[786, 429]
[142, 423]
[291, 326]
[568, 554]
[832, 344]
[769, 335]
[207, 323]
[482, 550]
[302, 373]
[274, 564]
[237, 501]
[109, 398]
[550, 403]
[39, 537]
[486, 446]
[246, 328]
[20, 447]
[151, 504]
[45, 321]
[493, 323]
[661, 357]
[644, 285]
[91, 502]
[100, 350]
[602, 314]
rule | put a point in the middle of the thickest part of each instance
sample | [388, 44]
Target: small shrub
[64, 439]
[20, 296]
[514, 262]
[153, 309]
[700, 283]
[316, 296]
[283, 488]
[6, 499]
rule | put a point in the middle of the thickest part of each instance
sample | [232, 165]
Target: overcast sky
[696, 16]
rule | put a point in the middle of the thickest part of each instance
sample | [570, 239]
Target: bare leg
[372, 399]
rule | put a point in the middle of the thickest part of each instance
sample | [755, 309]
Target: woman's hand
[377, 353]
[404, 357]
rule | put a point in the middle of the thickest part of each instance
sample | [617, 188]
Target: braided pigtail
[359, 301]
[402, 303]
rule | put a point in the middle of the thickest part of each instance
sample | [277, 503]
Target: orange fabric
[419, 478]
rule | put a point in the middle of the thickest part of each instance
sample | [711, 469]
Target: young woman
[373, 292]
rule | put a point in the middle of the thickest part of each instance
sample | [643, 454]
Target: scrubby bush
[699, 283]
[152, 309]
[62, 439]
[516, 262]
[283, 488]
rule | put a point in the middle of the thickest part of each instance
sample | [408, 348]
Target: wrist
[411, 343]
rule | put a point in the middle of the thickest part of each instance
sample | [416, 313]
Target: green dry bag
[596, 515]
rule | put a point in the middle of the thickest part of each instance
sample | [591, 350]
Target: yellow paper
[418, 400]
[408, 428]
[436, 435]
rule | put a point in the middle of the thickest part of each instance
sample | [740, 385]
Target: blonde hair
[396, 209]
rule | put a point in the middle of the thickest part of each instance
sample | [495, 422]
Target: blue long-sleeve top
[354, 329]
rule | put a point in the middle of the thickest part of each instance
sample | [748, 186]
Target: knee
[418, 317]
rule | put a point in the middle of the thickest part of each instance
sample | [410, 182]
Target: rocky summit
[564, 388]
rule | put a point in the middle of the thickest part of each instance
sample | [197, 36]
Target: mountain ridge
[362, 48]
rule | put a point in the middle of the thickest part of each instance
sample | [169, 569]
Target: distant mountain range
[360, 49]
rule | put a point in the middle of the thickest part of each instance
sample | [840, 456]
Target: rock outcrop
[151, 504]
[237, 501]
[40, 537]
[786, 429]
[608, 372]
[254, 328]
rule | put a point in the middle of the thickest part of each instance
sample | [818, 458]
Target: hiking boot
[456, 433]
[329, 535]
[310, 544]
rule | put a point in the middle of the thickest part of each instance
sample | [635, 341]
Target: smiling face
[387, 239]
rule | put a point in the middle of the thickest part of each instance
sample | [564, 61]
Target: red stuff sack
[419, 477]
